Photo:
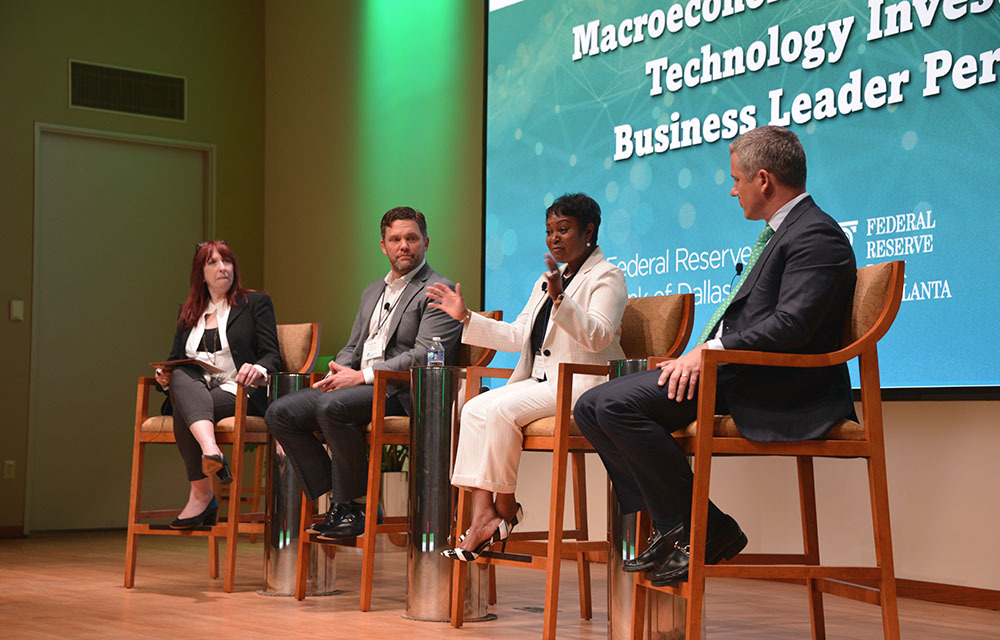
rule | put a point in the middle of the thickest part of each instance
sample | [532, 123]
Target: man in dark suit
[393, 329]
[793, 298]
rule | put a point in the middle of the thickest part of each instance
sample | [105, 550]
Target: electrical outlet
[9, 469]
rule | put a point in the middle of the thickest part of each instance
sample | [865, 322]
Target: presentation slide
[635, 102]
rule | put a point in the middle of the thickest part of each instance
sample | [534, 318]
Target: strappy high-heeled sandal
[501, 534]
[518, 516]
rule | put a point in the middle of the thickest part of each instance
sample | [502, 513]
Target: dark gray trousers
[192, 401]
[629, 421]
[341, 416]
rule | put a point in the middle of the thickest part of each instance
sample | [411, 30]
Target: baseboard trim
[949, 593]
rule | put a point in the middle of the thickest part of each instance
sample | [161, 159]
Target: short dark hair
[774, 149]
[404, 213]
[579, 206]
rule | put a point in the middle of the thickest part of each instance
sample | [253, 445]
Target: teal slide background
[550, 130]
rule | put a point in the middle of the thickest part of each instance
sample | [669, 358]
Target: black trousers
[341, 416]
[192, 400]
[629, 421]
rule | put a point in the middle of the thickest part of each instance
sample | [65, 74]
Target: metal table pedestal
[433, 391]
[284, 505]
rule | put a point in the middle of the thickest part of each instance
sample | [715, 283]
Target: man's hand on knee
[340, 377]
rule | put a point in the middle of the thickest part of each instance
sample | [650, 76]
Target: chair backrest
[299, 346]
[472, 356]
[657, 325]
[877, 295]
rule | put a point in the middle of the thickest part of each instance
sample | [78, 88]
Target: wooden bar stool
[877, 298]
[658, 325]
[299, 346]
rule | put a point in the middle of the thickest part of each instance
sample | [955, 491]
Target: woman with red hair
[233, 330]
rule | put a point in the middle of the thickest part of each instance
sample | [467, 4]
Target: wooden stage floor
[69, 586]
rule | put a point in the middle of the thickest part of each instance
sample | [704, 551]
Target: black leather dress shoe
[723, 544]
[350, 525]
[208, 517]
[333, 515]
[660, 546]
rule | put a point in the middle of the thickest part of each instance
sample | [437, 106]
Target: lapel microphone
[545, 287]
[739, 270]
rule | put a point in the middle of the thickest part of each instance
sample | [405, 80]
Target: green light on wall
[412, 90]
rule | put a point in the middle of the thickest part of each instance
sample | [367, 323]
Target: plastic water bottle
[435, 355]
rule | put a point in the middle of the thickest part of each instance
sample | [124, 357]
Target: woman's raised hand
[448, 300]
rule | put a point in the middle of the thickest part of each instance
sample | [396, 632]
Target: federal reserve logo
[850, 227]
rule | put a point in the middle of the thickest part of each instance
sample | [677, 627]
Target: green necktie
[758, 248]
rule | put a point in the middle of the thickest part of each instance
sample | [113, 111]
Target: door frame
[208, 231]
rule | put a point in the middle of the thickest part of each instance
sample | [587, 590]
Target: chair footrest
[167, 527]
[503, 555]
[846, 574]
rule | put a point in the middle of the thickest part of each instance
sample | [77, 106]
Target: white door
[116, 224]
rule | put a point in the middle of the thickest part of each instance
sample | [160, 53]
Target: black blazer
[794, 300]
[252, 336]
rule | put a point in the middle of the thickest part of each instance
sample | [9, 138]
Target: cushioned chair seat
[725, 427]
[547, 427]
[165, 424]
[254, 425]
[394, 424]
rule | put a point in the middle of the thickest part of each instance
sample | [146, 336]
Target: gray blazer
[413, 326]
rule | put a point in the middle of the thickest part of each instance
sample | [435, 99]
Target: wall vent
[141, 93]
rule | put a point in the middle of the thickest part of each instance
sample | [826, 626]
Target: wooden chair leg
[883, 540]
[371, 518]
[257, 494]
[492, 596]
[459, 569]
[213, 540]
[135, 502]
[698, 533]
[638, 608]
[302, 564]
[233, 525]
[554, 552]
[580, 513]
[810, 543]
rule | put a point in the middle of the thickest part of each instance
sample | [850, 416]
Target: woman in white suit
[573, 315]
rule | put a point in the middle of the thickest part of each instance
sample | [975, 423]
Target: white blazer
[585, 328]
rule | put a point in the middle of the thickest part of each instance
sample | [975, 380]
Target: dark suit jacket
[794, 300]
[252, 336]
[413, 326]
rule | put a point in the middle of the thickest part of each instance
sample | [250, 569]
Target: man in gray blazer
[393, 329]
[793, 298]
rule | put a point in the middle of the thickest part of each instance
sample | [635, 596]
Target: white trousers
[489, 440]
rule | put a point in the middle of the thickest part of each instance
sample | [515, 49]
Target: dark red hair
[198, 297]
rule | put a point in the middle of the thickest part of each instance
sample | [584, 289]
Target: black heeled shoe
[218, 465]
[208, 517]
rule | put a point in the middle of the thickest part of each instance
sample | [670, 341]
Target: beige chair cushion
[547, 427]
[650, 325]
[725, 427]
[158, 424]
[165, 424]
[870, 293]
[394, 424]
[294, 341]
[254, 425]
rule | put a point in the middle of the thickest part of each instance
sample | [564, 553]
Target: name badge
[374, 348]
[538, 367]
